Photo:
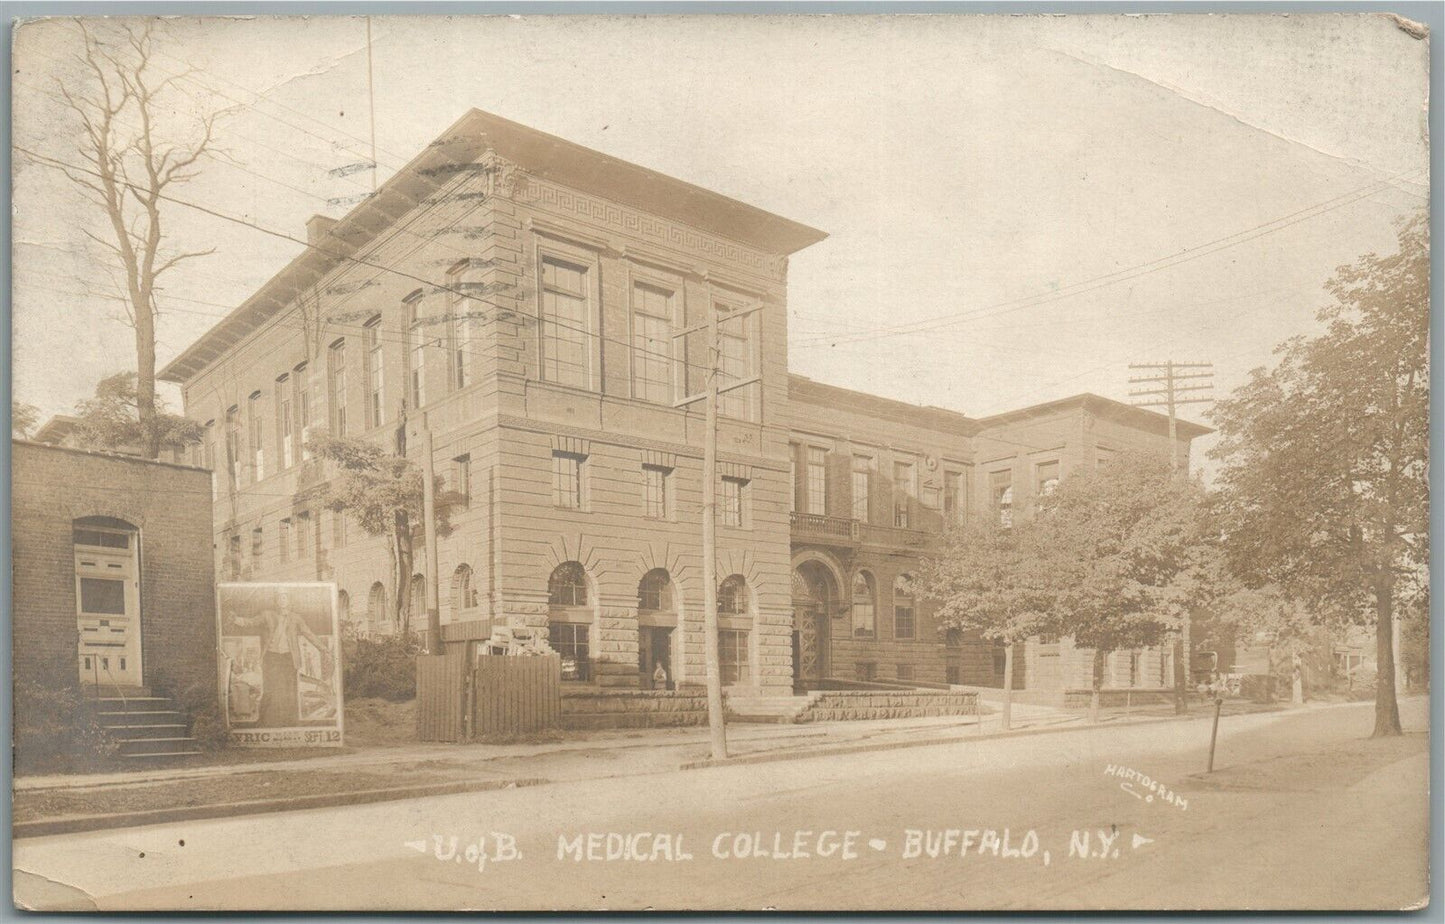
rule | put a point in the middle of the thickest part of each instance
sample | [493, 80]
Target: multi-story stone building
[528, 298]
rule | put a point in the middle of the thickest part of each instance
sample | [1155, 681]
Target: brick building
[112, 569]
[525, 295]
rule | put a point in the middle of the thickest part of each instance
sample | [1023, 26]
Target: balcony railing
[854, 532]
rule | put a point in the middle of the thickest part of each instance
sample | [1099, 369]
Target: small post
[1214, 732]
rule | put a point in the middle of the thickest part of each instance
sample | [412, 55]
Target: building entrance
[654, 649]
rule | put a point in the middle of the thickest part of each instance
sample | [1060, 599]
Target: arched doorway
[815, 595]
[656, 625]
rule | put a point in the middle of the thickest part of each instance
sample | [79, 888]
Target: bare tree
[127, 171]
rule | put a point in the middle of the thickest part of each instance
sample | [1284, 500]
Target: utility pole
[1167, 374]
[710, 394]
[429, 530]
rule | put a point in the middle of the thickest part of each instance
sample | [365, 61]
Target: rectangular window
[210, 461]
[566, 339]
[375, 373]
[904, 490]
[233, 556]
[865, 670]
[258, 546]
[303, 535]
[570, 640]
[905, 672]
[233, 446]
[951, 674]
[1046, 478]
[254, 425]
[301, 390]
[734, 492]
[338, 529]
[336, 397]
[953, 497]
[736, 362]
[567, 479]
[654, 486]
[102, 597]
[652, 344]
[903, 624]
[461, 316]
[817, 474]
[463, 479]
[415, 354]
[285, 539]
[862, 486]
[732, 656]
[284, 421]
[1001, 495]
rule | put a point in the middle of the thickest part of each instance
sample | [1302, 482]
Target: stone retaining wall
[591, 709]
[855, 705]
[1079, 699]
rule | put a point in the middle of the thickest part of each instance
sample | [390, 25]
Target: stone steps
[145, 726]
[782, 710]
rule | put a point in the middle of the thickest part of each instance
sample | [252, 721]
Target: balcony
[843, 531]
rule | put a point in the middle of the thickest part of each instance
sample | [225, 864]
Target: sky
[1018, 207]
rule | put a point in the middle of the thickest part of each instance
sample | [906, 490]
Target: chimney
[317, 227]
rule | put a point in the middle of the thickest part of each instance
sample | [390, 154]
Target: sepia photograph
[721, 463]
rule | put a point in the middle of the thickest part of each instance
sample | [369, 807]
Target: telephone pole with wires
[1166, 391]
[712, 390]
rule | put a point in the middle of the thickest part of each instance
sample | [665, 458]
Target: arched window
[568, 585]
[343, 606]
[654, 593]
[732, 596]
[464, 595]
[863, 605]
[376, 608]
[903, 620]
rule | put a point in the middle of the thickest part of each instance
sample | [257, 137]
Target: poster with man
[280, 665]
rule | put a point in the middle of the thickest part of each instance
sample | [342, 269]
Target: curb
[71, 824]
[768, 758]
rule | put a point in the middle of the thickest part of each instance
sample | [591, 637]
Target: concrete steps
[147, 728]
[781, 710]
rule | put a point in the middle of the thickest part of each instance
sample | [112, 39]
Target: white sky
[977, 175]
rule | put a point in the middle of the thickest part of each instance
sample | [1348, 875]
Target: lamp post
[1215, 689]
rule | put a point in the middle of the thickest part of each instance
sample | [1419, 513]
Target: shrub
[383, 666]
[208, 723]
[57, 729]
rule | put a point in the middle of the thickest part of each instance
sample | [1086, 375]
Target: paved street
[1303, 812]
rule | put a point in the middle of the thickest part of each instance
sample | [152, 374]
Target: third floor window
[375, 373]
[566, 345]
[652, 344]
[817, 480]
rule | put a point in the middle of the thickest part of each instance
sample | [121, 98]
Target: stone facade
[530, 313]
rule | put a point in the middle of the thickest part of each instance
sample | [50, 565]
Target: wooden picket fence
[461, 698]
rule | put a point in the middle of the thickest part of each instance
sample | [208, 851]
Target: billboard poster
[280, 664]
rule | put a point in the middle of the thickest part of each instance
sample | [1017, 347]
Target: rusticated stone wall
[590, 709]
[855, 705]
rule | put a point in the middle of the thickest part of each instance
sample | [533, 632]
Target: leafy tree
[1325, 456]
[991, 579]
[114, 419]
[24, 418]
[1132, 551]
[1283, 622]
[383, 492]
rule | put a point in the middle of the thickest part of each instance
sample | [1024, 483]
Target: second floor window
[567, 470]
[461, 318]
[375, 373]
[654, 486]
[1001, 495]
[336, 397]
[817, 483]
[301, 388]
[903, 493]
[566, 324]
[953, 495]
[862, 487]
[734, 495]
[284, 422]
[652, 344]
[254, 427]
[416, 354]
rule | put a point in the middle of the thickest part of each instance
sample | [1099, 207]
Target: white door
[107, 594]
